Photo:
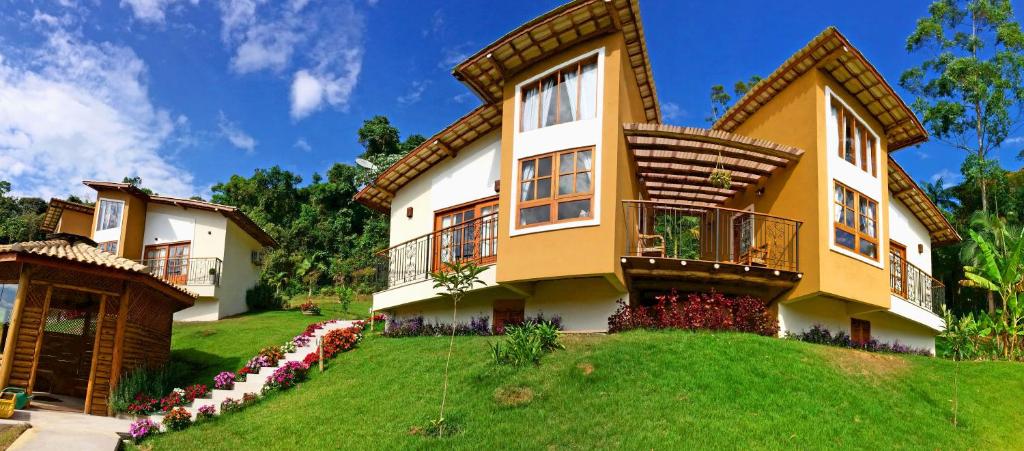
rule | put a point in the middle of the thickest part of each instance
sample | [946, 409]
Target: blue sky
[185, 93]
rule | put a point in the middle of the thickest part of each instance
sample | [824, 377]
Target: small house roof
[56, 209]
[904, 188]
[834, 54]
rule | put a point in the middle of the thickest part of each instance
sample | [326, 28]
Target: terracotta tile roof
[834, 54]
[57, 207]
[82, 252]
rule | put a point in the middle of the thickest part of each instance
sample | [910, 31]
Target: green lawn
[638, 390]
[201, 350]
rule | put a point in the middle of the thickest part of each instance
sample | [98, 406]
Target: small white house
[213, 250]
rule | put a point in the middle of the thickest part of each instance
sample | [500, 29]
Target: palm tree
[941, 196]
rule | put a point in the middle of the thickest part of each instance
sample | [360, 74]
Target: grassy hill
[634, 390]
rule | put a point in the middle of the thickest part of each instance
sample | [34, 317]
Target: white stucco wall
[906, 229]
[239, 273]
[467, 177]
[205, 230]
[886, 326]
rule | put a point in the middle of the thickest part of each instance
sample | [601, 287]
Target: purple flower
[224, 381]
[142, 428]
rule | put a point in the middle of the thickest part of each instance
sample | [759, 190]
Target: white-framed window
[110, 214]
[566, 95]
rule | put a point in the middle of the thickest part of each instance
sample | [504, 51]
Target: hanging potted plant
[720, 177]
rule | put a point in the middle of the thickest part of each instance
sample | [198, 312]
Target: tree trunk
[447, 363]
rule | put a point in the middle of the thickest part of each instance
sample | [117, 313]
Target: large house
[570, 188]
[214, 251]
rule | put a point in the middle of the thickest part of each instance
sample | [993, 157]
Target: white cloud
[464, 97]
[671, 110]
[414, 94]
[234, 134]
[302, 145]
[74, 110]
[949, 178]
[39, 17]
[1014, 140]
[436, 24]
[320, 43]
[453, 56]
[153, 11]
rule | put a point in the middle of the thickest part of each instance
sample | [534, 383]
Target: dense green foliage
[635, 390]
[19, 217]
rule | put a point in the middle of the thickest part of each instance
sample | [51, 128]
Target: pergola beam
[698, 147]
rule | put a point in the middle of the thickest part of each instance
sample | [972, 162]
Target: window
[108, 246]
[169, 261]
[569, 94]
[860, 330]
[110, 214]
[898, 269]
[856, 143]
[467, 232]
[855, 222]
[556, 194]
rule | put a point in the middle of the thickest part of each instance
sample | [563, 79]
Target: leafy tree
[20, 218]
[970, 91]
[136, 182]
[720, 99]
[456, 279]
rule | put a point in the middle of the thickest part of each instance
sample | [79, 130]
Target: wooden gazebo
[80, 318]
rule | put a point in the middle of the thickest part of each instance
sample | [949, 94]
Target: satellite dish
[366, 164]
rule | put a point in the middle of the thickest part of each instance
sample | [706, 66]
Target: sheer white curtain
[530, 109]
[571, 84]
[588, 92]
[547, 100]
[526, 187]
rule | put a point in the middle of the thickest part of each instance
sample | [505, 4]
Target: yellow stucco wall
[133, 223]
[577, 251]
[804, 192]
[75, 222]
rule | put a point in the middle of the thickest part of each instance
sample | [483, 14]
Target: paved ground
[67, 431]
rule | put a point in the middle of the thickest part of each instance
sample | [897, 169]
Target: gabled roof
[446, 143]
[904, 188]
[563, 27]
[83, 252]
[674, 163]
[57, 207]
[233, 213]
[832, 52]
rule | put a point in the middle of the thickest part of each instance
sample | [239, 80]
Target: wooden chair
[650, 245]
[756, 255]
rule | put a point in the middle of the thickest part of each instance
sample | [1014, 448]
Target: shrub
[254, 364]
[263, 297]
[177, 419]
[249, 399]
[141, 387]
[196, 391]
[224, 381]
[230, 405]
[301, 340]
[345, 297]
[286, 376]
[173, 399]
[526, 343]
[143, 428]
[417, 327]
[288, 346]
[142, 405]
[206, 412]
[708, 311]
[820, 335]
[273, 354]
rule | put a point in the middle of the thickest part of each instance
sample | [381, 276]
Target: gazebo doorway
[65, 354]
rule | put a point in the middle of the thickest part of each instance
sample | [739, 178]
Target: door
[898, 269]
[508, 312]
[466, 233]
[169, 261]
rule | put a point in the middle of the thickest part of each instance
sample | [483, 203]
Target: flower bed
[704, 311]
[310, 308]
[417, 327]
[820, 335]
[286, 376]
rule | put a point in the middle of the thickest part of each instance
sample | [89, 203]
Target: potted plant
[309, 308]
[720, 177]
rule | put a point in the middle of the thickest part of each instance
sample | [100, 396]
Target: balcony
[414, 260]
[186, 271]
[915, 285]
[701, 248]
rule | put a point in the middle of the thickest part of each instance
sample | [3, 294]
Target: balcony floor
[646, 279]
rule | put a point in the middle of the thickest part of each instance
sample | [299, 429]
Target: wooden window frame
[858, 236]
[108, 246]
[860, 330]
[179, 279]
[557, 75]
[476, 207]
[900, 252]
[867, 158]
[554, 198]
[99, 212]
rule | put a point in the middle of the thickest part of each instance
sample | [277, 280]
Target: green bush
[263, 297]
[345, 296]
[526, 343]
[152, 382]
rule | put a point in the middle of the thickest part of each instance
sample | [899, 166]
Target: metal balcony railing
[414, 260]
[915, 285]
[186, 271]
[663, 230]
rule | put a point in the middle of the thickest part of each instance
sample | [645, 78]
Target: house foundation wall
[835, 316]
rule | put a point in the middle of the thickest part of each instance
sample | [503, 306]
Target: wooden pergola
[674, 163]
[81, 318]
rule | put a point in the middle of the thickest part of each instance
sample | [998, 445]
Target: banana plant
[1001, 271]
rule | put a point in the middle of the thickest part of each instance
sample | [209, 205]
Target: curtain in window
[583, 163]
[569, 90]
[526, 177]
[530, 109]
[547, 99]
[588, 92]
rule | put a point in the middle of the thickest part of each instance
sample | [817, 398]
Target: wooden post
[95, 354]
[320, 349]
[39, 339]
[12, 332]
[122, 319]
